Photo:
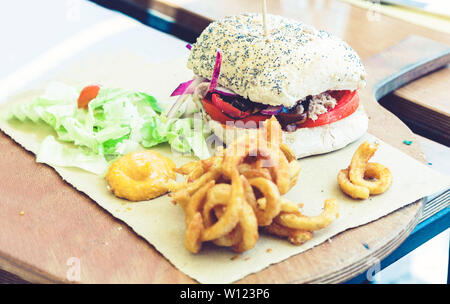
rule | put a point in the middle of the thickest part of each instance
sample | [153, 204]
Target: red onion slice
[291, 127]
[216, 72]
[225, 91]
[183, 97]
[272, 110]
[189, 46]
[182, 88]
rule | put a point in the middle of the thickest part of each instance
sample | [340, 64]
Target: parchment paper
[162, 224]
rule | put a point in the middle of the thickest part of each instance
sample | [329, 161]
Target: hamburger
[307, 78]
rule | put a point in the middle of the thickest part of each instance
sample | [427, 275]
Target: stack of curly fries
[228, 197]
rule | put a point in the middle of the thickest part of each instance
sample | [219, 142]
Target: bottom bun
[308, 141]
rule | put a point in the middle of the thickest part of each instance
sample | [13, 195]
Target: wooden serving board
[59, 223]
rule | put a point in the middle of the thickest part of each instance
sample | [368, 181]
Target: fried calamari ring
[141, 175]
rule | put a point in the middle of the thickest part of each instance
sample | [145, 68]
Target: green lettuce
[54, 153]
[116, 122]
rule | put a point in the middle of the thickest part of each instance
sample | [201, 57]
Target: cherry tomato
[87, 94]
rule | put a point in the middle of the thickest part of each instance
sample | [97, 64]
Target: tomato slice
[228, 108]
[347, 103]
[217, 115]
[87, 94]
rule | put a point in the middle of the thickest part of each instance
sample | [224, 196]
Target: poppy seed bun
[294, 61]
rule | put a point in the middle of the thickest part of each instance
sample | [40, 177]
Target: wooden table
[424, 104]
[30, 259]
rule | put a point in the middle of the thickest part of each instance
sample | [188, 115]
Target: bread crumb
[21, 212]
[269, 250]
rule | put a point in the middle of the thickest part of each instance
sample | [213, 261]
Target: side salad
[103, 123]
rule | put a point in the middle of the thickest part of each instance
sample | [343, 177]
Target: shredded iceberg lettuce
[116, 122]
[54, 153]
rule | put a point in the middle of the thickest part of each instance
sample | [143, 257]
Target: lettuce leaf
[116, 122]
[54, 153]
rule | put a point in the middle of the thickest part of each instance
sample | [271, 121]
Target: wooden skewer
[264, 5]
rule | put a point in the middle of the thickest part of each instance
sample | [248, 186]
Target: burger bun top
[292, 62]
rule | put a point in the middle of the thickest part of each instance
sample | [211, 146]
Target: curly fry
[228, 196]
[290, 156]
[352, 190]
[250, 197]
[294, 236]
[287, 206]
[383, 176]
[272, 199]
[218, 195]
[359, 162]
[231, 239]
[362, 179]
[197, 201]
[194, 229]
[253, 170]
[245, 235]
[230, 218]
[294, 171]
[188, 167]
[299, 221]
[185, 190]
[249, 227]
[282, 179]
